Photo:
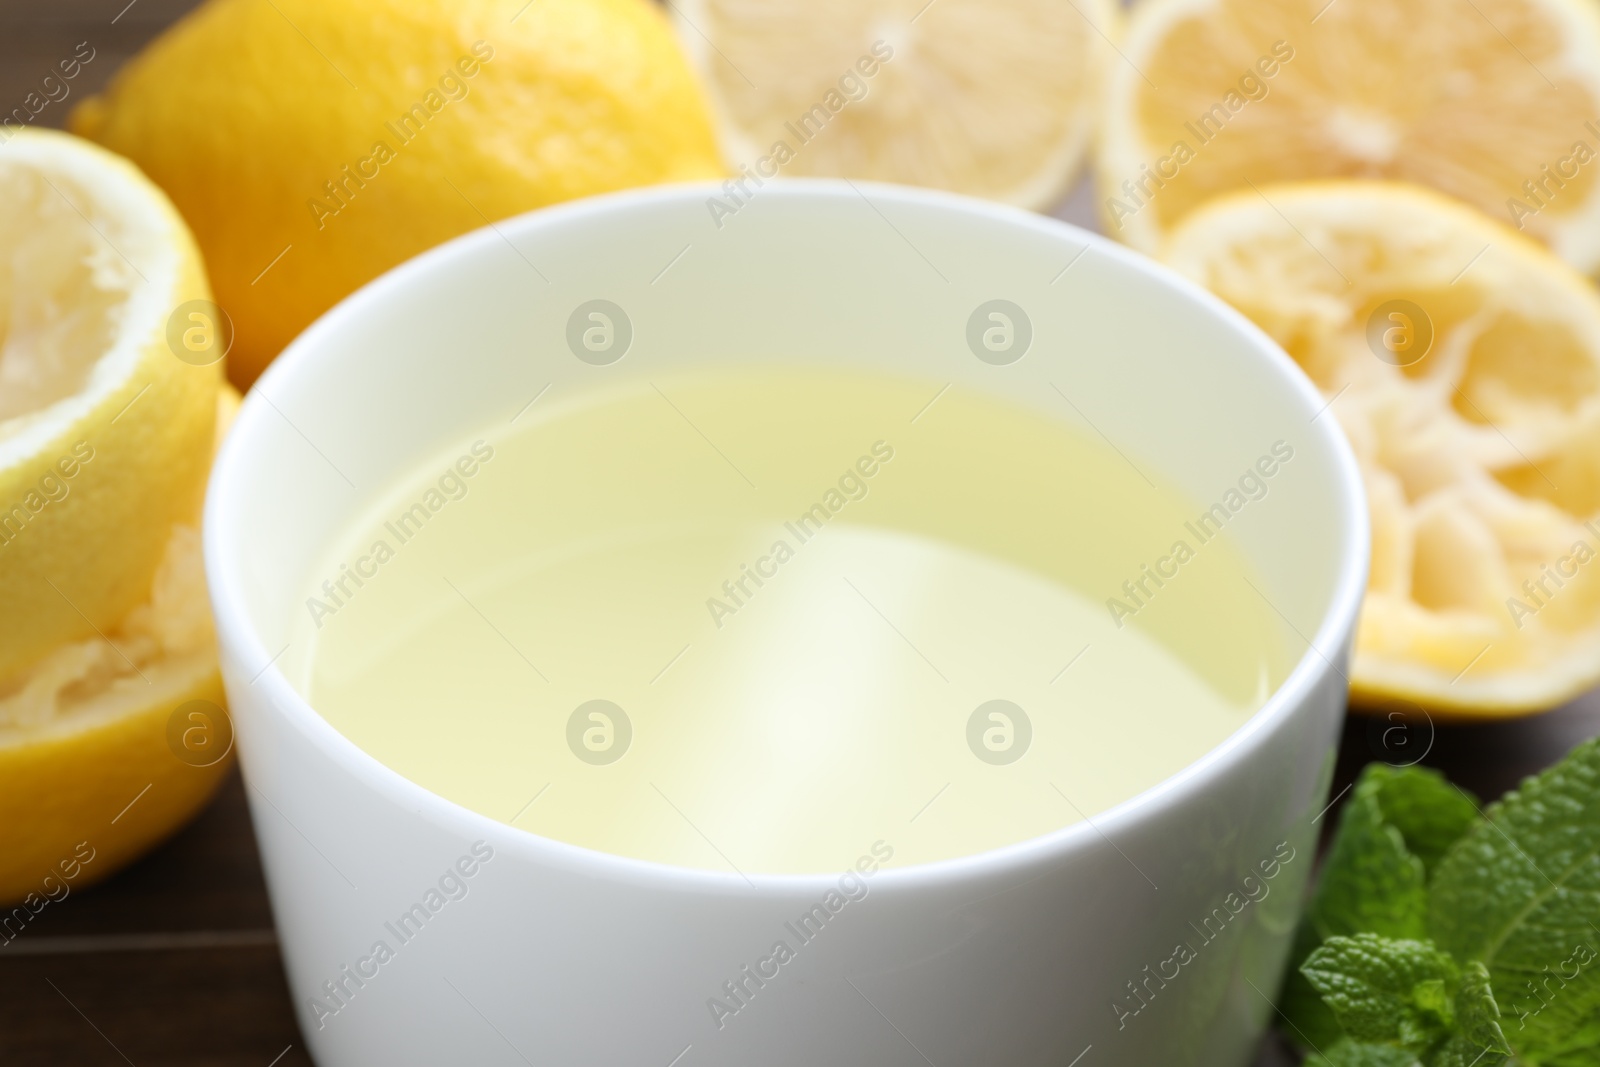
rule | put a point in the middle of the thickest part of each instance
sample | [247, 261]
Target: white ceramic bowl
[1056, 948]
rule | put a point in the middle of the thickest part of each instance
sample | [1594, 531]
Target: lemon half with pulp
[106, 437]
[1495, 102]
[1463, 361]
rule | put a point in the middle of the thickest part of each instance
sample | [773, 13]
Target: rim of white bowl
[235, 629]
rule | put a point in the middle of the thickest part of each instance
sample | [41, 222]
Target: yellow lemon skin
[116, 764]
[313, 144]
[77, 553]
[115, 788]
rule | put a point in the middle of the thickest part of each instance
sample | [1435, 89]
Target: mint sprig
[1387, 991]
[1442, 936]
[1346, 1052]
[1396, 822]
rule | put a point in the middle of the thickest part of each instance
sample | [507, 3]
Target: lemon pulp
[764, 620]
[1218, 96]
[1477, 445]
[944, 95]
[105, 439]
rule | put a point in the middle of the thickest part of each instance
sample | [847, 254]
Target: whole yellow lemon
[313, 144]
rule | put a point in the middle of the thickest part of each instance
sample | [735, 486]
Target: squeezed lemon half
[106, 437]
[1463, 361]
[992, 100]
[1496, 103]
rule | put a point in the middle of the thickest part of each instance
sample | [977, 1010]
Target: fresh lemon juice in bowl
[770, 619]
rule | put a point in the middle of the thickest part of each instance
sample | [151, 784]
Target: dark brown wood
[173, 961]
[36, 35]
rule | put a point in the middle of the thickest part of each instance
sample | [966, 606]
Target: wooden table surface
[174, 962]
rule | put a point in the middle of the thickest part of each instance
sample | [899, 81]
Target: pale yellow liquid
[829, 708]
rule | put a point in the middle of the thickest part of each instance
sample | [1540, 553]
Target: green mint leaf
[1371, 883]
[1477, 1011]
[1520, 891]
[1307, 1020]
[1458, 1051]
[1478, 1041]
[1386, 990]
[1404, 1003]
[1430, 813]
[1348, 1053]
